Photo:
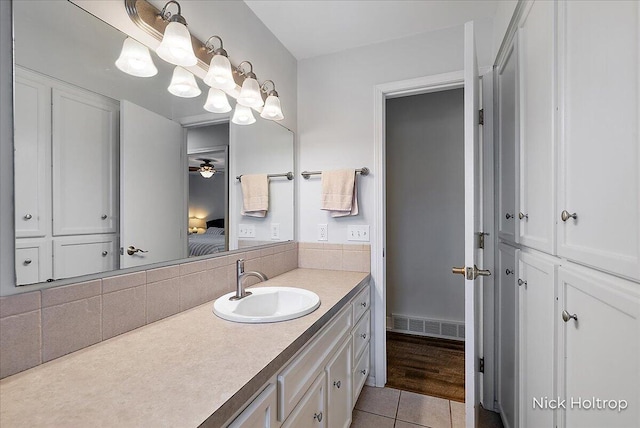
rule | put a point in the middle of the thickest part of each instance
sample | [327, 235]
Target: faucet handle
[240, 265]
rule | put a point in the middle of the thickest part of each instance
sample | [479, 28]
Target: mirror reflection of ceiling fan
[206, 169]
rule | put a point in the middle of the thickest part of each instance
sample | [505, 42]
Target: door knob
[508, 216]
[509, 272]
[103, 216]
[28, 217]
[566, 316]
[566, 215]
[471, 273]
[337, 384]
[318, 416]
[131, 250]
[521, 282]
[523, 215]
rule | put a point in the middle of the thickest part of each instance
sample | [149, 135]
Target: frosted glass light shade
[272, 110]
[219, 74]
[183, 84]
[243, 115]
[217, 101]
[135, 59]
[207, 174]
[176, 47]
[250, 93]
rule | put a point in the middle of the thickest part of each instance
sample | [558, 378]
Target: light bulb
[272, 109]
[250, 93]
[183, 84]
[176, 47]
[135, 59]
[219, 74]
[206, 174]
[217, 101]
[243, 115]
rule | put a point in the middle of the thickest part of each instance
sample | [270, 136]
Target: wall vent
[426, 327]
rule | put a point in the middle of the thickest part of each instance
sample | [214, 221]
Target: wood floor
[426, 365]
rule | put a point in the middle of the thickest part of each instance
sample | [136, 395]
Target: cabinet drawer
[260, 413]
[339, 387]
[295, 379]
[82, 255]
[310, 412]
[361, 303]
[361, 335]
[360, 373]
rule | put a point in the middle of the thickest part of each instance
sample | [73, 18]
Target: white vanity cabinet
[537, 297]
[339, 386]
[311, 411]
[598, 319]
[262, 411]
[33, 260]
[599, 179]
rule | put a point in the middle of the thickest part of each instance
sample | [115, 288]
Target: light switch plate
[246, 231]
[275, 231]
[323, 232]
[358, 233]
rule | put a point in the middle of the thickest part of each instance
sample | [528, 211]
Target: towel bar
[289, 176]
[307, 174]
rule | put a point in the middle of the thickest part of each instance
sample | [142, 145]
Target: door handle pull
[131, 250]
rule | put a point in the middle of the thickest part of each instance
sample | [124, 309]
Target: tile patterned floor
[392, 408]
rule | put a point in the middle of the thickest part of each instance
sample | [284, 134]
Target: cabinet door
[339, 387]
[32, 156]
[598, 352]
[33, 261]
[85, 148]
[311, 410]
[82, 255]
[536, 337]
[261, 413]
[599, 177]
[536, 85]
[507, 334]
[507, 146]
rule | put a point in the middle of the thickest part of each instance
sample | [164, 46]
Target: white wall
[336, 123]
[206, 137]
[501, 21]
[425, 204]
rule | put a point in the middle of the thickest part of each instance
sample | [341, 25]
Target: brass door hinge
[481, 236]
[481, 117]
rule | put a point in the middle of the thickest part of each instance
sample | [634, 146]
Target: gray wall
[425, 205]
[206, 196]
[206, 137]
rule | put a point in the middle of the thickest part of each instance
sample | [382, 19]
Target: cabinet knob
[363, 335]
[364, 372]
[566, 215]
[28, 216]
[363, 304]
[521, 282]
[509, 216]
[337, 384]
[104, 253]
[509, 271]
[27, 262]
[104, 216]
[318, 416]
[523, 215]
[566, 316]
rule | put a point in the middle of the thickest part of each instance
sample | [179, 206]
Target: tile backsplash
[40, 326]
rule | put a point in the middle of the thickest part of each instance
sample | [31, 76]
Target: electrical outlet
[275, 231]
[246, 231]
[323, 232]
[358, 233]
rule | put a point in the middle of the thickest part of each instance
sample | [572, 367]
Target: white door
[153, 172]
[472, 208]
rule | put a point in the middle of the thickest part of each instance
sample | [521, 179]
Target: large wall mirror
[109, 167]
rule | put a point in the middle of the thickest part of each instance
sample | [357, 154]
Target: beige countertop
[186, 370]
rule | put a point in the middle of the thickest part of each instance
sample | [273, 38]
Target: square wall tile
[163, 299]
[69, 293]
[20, 343]
[196, 289]
[163, 273]
[193, 267]
[353, 261]
[121, 282]
[310, 258]
[19, 303]
[71, 326]
[123, 311]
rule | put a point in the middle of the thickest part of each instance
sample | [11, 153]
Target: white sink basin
[267, 304]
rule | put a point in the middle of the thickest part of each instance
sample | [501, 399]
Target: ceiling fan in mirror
[206, 169]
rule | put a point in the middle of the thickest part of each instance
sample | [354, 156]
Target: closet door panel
[507, 147]
[32, 156]
[537, 146]
[600, 147]
[598, 352]
[85, 144]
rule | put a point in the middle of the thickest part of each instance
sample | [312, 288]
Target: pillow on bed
[214, 231]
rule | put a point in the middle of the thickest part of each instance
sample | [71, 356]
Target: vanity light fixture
[250, 95]
[217, 101]
[135, 59]
[183, 84]
[206, 169]
[219, 75]
[243, 115]
[176, 47]
[272, 109]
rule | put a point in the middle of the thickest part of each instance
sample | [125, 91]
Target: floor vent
[426, 327]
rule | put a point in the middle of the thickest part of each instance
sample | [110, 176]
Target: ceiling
[313, 28]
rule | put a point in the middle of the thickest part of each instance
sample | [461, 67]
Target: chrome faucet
[240, 276]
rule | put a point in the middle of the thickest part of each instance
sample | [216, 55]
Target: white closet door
[32, 156]
[508, 146]
[153, 193]
[85, 147]
[536, 82]
[599, 178]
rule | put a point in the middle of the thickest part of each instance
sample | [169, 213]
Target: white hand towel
[255, 195]
[339, 192]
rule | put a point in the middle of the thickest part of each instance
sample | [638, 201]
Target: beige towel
[339, 193]
[255, 195]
